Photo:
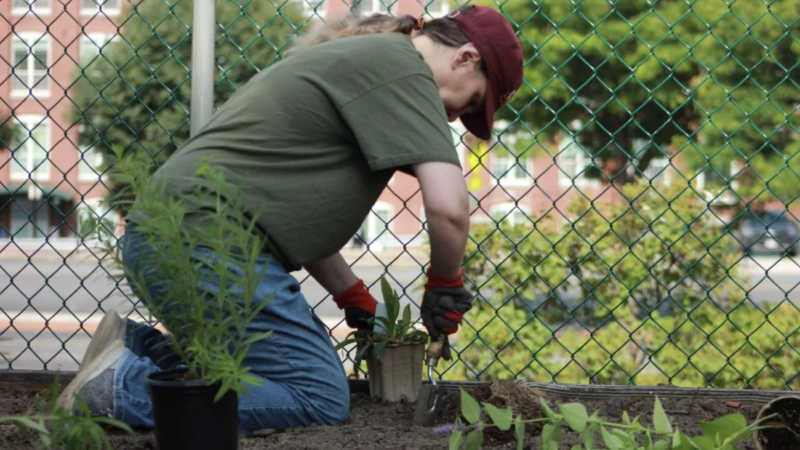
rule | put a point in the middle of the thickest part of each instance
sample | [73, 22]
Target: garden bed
[389, 426]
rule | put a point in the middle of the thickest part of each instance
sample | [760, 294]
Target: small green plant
[208, 323]
[720, 434]
[394, 331]
[58, 428]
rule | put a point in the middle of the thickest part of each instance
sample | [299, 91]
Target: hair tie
[420, 23]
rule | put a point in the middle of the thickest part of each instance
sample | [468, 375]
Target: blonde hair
[443, 31]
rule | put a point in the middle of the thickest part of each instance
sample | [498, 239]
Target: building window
[30, 154]
[92, 7]
[91, 165]
[92, 45]
[573, 161]
[375, 228]
[509, 213]
[30, 59]
[370, 7]
[20, 7]
[510, 172]
[437, 8]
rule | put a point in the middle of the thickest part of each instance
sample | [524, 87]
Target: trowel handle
[434, 351]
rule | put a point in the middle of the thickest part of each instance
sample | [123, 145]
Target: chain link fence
[634, 218]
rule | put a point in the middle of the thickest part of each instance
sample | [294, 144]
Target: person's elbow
[454, 213]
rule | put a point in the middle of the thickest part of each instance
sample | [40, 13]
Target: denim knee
[333, 406]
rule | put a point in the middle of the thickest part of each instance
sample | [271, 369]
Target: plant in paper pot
[394, 351]
[199, 282]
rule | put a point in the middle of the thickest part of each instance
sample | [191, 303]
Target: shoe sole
[111, 328]
[107, 358]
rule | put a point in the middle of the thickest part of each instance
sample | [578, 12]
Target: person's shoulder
[390, 53]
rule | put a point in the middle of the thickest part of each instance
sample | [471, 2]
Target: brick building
[48, 182]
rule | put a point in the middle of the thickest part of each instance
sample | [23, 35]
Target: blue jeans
[303, 379]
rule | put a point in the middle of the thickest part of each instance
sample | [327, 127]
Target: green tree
[137, 92]
[630, 78]
[746, 95]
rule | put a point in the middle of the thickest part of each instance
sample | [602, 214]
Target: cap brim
[480, 123]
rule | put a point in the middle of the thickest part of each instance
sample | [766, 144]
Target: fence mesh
[634, 219]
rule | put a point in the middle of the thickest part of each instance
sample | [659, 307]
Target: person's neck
[432, 53]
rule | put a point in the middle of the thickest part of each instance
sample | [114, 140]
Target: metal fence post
[202, 64]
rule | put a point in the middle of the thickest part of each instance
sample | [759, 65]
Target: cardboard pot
[397, 377]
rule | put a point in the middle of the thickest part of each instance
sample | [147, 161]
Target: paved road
[65, 296]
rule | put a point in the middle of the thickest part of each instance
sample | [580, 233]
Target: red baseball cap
[499, 47]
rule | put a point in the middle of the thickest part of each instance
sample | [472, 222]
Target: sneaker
[111, 328]
[94, 382]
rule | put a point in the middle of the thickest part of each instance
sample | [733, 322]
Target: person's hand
[443, 307]
[358, 305]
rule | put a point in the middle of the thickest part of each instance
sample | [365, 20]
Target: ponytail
[443, 31]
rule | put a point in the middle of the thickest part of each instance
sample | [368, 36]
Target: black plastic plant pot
[186, 416]
[784, 431]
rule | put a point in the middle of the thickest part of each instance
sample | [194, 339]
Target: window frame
[21, 11]
[37, 38]
[31, 122]
[101, 8]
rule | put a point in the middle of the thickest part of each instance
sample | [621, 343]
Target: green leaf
[704, 443]
[519, 432]
[345, 343]
[29, 423]
[378, 350]
[255, 338]
[405, 323]
[470, 408]
[456, 439]
[660, 420]
[661, 445]
[625, 419]
[391, 301]
[681, 442]
[546, 408]
[576, 447]
[588, 437]
[575, 415]
[474, 440]
[725, 426]
[628, 441]
[612, 442]
[551, 433]
[500, 417]
[360, 356]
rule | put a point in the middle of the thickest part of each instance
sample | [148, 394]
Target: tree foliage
[635, 80]
[137, 91]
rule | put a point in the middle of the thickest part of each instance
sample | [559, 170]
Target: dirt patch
[389, 426]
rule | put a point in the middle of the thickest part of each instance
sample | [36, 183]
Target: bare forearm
[448, 242]
[333, 273]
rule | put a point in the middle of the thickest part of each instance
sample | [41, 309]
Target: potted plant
[393, 349]
[195, 405]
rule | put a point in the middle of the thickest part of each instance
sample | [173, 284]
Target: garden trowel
[426, 411]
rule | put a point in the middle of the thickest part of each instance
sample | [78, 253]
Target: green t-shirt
[316, 137]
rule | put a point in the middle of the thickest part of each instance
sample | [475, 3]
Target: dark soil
[389, 426]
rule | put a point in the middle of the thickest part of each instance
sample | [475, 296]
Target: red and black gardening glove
[358, 305]
[443, 307]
